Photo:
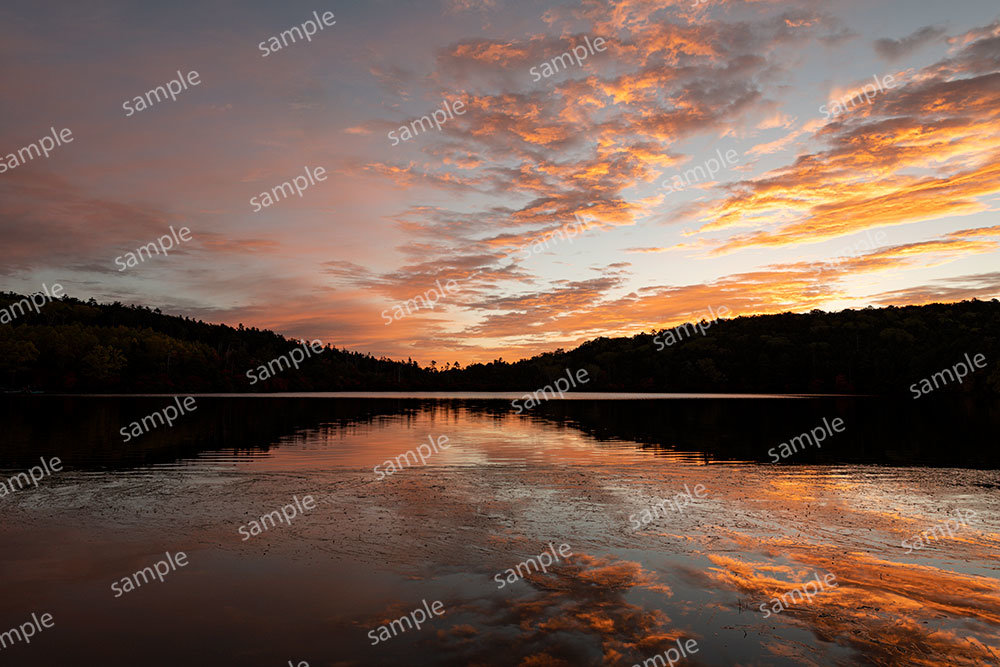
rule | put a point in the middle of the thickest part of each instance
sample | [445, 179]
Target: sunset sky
[789, 226]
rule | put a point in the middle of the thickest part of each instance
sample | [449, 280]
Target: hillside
[76, 346]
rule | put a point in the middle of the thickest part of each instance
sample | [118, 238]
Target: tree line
[77, 346]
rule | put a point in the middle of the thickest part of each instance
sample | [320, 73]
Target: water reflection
[568, 472]
[84, 430]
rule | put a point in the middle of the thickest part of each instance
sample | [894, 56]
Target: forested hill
[79, 346]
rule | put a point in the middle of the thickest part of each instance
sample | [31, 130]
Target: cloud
[48, 221]
[908, 596]
[577, 144]
[946, 290]
[580, 142]
[576, 310]
[893, 49]
[454, 6]
[527, 157]
[923, 150]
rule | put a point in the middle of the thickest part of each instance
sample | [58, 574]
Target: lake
[723, 568]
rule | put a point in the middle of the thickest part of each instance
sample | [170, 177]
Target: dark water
[565, 472]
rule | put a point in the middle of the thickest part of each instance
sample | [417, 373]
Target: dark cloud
[892, 49]
[47, 221]
[947, 290]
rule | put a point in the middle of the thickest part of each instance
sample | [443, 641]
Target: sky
[713, 155]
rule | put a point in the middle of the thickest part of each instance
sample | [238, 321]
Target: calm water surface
[568, 473]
